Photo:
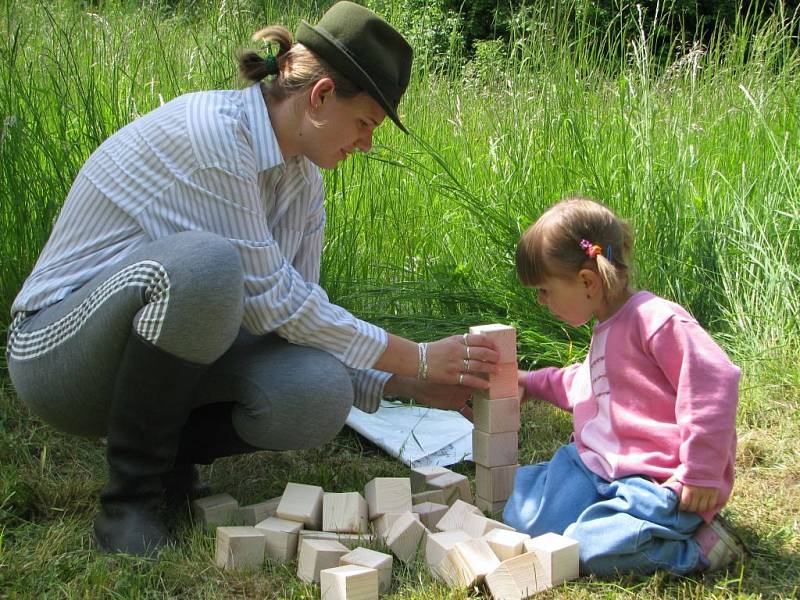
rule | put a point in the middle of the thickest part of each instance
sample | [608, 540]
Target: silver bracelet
[422, 369]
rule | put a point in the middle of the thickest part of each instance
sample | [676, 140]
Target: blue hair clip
[609, 254]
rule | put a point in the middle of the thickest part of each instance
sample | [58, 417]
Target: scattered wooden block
[405, 536]
[421, 475]
[255, 513]
[436, 496]
[317, 555]
[494, 483]
[430, 513]
[282, 538]
[454, 485]
[388, 495]
[216, 510]
[476, 525]
[454, 517]
[348, 582]
[504, 336]
[374, 560]
[303, 503]
[517, 578]
[493, 508]
[467, 563]
[557, 554]
[496, 416]
[494, 449]
[503, 384]
[439, 544]
[346, 512]
[239, 547]
[506, 543]
[351, 540]
[384, 523]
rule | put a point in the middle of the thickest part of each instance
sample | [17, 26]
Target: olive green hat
[365, 49]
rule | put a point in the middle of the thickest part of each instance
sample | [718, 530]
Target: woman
[175, 308]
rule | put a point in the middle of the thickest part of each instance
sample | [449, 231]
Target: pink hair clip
[591, 250]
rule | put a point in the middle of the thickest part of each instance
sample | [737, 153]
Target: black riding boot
[209, 434]
[152, 399]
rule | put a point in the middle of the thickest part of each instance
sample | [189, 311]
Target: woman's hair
[298, 67]
[564, 240]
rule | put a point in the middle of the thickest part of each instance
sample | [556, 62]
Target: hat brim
[323, 43]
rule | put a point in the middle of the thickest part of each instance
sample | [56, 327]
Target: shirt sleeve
[278, 298]
[707, 393]
[368, 385]
[307, 261]
[552, 385]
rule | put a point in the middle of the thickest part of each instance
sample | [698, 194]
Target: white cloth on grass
[417, 435]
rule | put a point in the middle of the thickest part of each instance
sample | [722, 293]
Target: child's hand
[522, 376]
[698, 499]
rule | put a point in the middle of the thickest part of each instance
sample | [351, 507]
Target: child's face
[567, 299]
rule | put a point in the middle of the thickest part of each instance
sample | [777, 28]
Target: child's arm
[706, 386]
[549, 384]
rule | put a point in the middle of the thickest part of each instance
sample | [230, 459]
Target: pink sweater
[656, 396]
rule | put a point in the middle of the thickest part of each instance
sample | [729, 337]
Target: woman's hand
[437, 395]
[461, 360]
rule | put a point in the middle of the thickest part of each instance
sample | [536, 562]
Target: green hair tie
[272, 64]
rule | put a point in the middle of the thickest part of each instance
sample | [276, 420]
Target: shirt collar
[268, 153]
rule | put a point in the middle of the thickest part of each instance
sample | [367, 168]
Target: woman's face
[336, 127]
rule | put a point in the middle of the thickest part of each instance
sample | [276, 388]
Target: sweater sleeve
[552, 385]
[706, 384]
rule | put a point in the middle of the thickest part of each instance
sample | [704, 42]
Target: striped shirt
[210, 161]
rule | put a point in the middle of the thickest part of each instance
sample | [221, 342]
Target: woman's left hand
[437, 395]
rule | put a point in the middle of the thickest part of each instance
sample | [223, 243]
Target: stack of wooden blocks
[495, 411]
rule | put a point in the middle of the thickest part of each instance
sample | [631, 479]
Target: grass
[701, 154]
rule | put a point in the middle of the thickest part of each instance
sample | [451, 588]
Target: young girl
[654, 410]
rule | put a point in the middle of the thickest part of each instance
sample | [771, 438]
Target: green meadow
[698, 145]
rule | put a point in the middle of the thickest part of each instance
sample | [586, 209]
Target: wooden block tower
[496, 418]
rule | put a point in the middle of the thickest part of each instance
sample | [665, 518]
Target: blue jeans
[627, 525]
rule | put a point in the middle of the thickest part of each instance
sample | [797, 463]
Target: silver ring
[465, 337]
[467, 352]
[466, 365]
[460, 379]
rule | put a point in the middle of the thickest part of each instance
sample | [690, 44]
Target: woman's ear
[321, 90]
[592, 282]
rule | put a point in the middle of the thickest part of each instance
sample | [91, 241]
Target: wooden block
[405, 536]
[384, 523]
[303, 503]
[282, 538]
[496, 416]
[494, 449]
[346, 512]
[374, 560]
[348, 582]
[517, 578]
[255, 513]
[467, 563]
[437, 545]
[436, 496]
[454, 517]
[493, 508]
[504, 336]
[240, 548]
[430, 513]
[557, 554]
[216, 510]
[494, 483]
[476, 525]
[388, 495]
[454, 485]
[506, 543]
[421, 475]
[351, 540]
[502, 384]
[317, 555]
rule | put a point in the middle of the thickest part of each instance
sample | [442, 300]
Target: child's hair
[298, 67]
[576, 233]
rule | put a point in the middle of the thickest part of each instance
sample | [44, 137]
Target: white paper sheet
[417, 435]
